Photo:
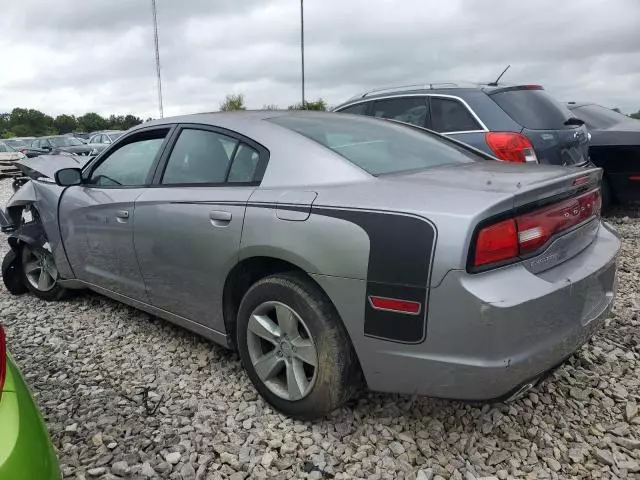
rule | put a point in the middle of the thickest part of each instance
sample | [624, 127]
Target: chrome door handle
[122, 215]
[219, 218]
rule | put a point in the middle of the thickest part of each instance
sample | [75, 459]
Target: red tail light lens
[496, 243]
[3, 358]
[527, 233]
[511, 147]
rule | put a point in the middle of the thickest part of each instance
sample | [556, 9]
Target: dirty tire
[607, 195]
[57, 293]
[337, 375]
[11, 274]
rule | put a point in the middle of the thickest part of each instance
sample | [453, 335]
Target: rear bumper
[489, 333]
[25, 449]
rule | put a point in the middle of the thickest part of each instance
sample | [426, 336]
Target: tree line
[236, 102]
[23, 122]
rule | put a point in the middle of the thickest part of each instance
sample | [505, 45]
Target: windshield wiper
[574, 121]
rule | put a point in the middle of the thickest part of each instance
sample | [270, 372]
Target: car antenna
[495, 84]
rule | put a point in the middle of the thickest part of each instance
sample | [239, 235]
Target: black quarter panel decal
[401, 250]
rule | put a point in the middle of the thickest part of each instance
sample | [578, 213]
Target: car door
[187, 228]
[97, 217]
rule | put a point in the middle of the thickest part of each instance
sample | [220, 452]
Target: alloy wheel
[282, 350]
[39, 268]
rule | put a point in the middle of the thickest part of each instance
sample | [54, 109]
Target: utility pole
[302, 45]
[155, 39]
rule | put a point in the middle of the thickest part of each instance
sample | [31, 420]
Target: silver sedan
[329, 250]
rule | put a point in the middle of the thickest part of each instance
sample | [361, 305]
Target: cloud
[78, 56]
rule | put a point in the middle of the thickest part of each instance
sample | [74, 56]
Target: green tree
[319, 104]
[65, 123]
[22, 131]
[636, 115]
[130, 121]
[233, 102]
[90, 122]
[31, 121]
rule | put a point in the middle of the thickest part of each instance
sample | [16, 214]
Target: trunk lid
[560, 206]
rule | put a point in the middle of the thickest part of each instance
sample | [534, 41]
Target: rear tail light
[509, 240]
[3, 358]
[511, 147]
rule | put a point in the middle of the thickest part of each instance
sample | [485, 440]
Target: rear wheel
[40, 274]
[294, 347]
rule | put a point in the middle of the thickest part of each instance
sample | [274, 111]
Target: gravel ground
[126, 395]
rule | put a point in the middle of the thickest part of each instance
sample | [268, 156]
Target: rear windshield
[377, 146]
[597, 117]
[533, 109]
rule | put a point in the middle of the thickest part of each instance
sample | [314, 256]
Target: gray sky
[89, 55]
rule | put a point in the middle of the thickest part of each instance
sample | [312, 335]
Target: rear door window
[357, 109]
[199, 156]
[411, 110]
[534, 109]
[449, 115]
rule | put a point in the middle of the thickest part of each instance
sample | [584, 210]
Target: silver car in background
[329, 249]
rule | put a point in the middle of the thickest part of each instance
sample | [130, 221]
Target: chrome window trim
[439, 95]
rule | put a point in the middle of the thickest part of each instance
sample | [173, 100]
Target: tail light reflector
[3, 358]
[527, 233]
[395, 305]
[511, 147]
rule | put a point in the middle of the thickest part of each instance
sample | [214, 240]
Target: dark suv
[514, 123]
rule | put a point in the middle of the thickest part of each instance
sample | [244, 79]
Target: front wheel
[40, 274]
[294, 347]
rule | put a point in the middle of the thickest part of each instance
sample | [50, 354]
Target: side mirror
[68, 177]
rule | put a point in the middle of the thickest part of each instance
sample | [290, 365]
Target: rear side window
[449, 115]
[411, 110]
[533, 108]
[357, 109]
[378, 147]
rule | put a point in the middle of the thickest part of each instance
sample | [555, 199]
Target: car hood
[48, 165]
[10, 156]
[75, 149]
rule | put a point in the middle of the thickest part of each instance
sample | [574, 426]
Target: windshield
[5, 148]
[377, 146]
[66, 141]
[597, 117]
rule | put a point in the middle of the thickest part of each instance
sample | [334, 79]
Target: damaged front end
[31, 215]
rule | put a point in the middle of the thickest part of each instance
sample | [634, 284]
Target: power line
[155, 40]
